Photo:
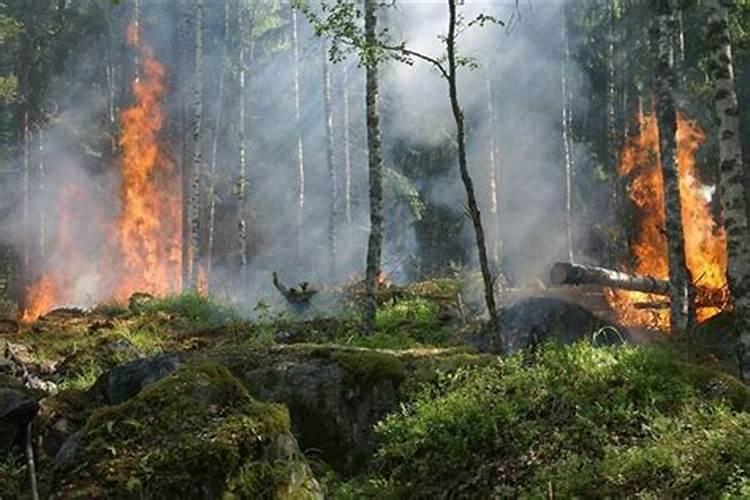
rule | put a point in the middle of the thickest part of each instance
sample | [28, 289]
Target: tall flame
[142, 249]
[148, 234]
[705, 241]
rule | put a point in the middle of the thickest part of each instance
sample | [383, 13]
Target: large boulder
[335, 395]
[194, 434]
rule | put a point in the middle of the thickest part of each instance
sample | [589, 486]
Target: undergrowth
[576, 421]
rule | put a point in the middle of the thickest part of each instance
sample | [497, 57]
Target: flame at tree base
[705, 241]
[139, 249]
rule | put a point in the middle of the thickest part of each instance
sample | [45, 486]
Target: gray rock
[16, 411]
[127, 380]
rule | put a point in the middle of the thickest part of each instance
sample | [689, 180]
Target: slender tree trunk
[667, 120]
[347, 151]
[42, 174]
[197, 163]
[242, 181]
[567, 154]
[300, 142]
[215, 150]
[494, 172]
[375, 170]
[26, 144]
[332, 173]
[184, 129]
[137, 26]
[616, 198]
[732, 173]
[476, 218]
[679, 47]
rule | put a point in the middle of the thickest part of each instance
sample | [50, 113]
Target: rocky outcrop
[194, 434]
[335, 395]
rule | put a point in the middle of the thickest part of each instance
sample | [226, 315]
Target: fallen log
[565, 273]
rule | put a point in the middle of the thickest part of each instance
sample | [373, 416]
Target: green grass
[632, 422]
[192, 310]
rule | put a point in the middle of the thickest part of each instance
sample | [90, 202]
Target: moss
[195, 432]
[366, 367]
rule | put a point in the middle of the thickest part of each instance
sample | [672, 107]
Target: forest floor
[184, 398]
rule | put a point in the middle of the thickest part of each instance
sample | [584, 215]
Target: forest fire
[148, 234]
[705, 241]
[141, 247]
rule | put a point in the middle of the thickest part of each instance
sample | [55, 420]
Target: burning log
[565, 273]
[300, 296]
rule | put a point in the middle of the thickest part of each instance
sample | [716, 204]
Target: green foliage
[632, 421]
[12, 474]
[193, 310]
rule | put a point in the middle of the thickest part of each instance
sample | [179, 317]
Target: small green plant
[195, 310]
[628, 421]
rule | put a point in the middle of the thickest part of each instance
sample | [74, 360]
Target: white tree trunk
[332, 173]
[731, 188]
[300, 141]
[347, 151]
[566, 122]
[42, 174]
[215, 150]
[197, 163]
[242, 180]
[494, 172]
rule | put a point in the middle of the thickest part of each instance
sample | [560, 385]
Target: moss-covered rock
[335, 395]
[195, 434]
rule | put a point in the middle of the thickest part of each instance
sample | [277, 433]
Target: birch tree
[732, 173]
[332, 173]
[347, 150]
[666, 115]
[375, 167]
[300, 139]
[566, 142]
[197, 163]
[242, 177]
[215, 146]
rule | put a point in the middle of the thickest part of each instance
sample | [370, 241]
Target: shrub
[578, 420]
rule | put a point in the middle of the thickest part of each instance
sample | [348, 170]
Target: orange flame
[148, 235]
[50, 289]
[143, 245]
[705, 241]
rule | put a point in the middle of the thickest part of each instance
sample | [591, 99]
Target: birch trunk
[42, 174]
[347, 151]
[567, 155]
[197, 163]
[494, 168]
[300, 141]
[473, 208]
[26, 140]
[215, 149]
[616, 198]
[731, 180]
[242, 180]
[667, 120]
[332, 174]
[375, 172]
